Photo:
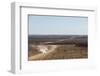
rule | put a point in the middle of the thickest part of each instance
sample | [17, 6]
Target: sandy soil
[59, 52]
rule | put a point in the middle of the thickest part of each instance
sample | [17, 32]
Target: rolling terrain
[50, 47]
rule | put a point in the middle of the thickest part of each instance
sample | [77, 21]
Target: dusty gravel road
[41, 55]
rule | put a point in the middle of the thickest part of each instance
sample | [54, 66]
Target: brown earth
[59, 52]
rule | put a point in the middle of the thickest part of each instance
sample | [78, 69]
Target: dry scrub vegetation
[61, 52]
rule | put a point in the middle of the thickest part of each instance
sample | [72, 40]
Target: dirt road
[41, 55]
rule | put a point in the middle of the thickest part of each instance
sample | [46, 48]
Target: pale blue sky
[49, 25]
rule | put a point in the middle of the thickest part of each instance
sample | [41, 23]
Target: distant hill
[79, 40]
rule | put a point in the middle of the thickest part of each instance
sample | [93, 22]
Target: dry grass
[62, 52]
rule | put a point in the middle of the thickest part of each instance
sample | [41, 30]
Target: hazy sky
[44, 25]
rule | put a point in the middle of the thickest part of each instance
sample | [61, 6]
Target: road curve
[41, 55]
